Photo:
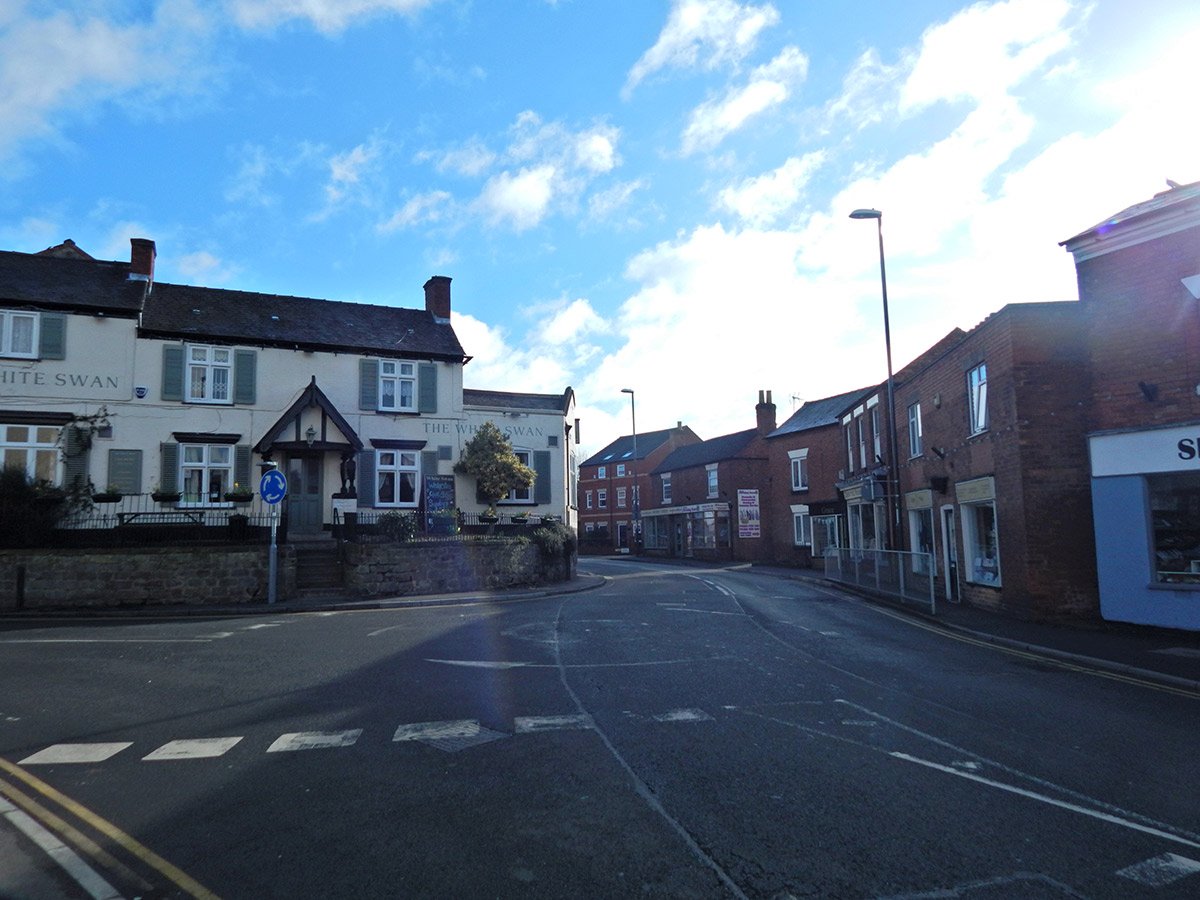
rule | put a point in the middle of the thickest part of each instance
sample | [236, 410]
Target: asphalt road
[675, 733]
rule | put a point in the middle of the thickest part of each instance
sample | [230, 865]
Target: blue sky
[626, 193]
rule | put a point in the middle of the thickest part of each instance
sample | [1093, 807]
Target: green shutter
[429, 462]
[75, 458]
[365, 480]
[52, 342]
[168, 475]
[125, 471]
[241, 466]
[427, 388]
[172, 373]
[245, 366]
[368, 384]
[542, 484]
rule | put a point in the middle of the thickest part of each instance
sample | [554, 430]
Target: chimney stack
[141, 260]
[437, 298]
[765, 412]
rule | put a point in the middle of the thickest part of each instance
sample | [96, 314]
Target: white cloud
[520, 200]
[422, 209]
[471, 159]
[604, 204]
[202, 267]
[569, 323]
[763, 200]
[769, 86]
[704, 34]
[327, 16]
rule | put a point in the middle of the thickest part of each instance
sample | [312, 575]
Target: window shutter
[429, 462]
[125, 470]
[427, 388]
[53, 338]
[245, 366]
[75, 459]
[365, 481]
[241, 466]
[172, 373]
[541, 486]
[368, 384]
[168, 475]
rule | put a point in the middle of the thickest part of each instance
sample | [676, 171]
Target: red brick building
[607, 482]
[705, 499]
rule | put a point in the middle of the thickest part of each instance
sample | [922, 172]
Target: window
[1175, 518]
[849, 449]
[18, 334]
[588, 527]
[522, 494]
[397, 475]
[824, 534]
[206, 472]
[209, 374]
[620, 470]
[602, 472]
[620, 498]
[864, 527]
[981, 543]
[666, 487]
[397, 385]
[861, 424]
[32, 449]
[977, 397]
[920, 530]
[602, 499]
[876, 435]
[799, 459]
[801, 526]
[588, 499]
[712, 480]
[914, 431]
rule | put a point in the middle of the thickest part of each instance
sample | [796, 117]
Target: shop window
[920, 533]
[914, 431]
[32, 449]
[977, 398]
[824, 534]
[397, 474]
[981, 543]
[1175, 517]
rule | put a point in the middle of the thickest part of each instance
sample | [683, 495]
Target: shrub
[554, 540]
[398, 526]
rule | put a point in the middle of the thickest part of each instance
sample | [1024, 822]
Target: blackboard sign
[439, 495]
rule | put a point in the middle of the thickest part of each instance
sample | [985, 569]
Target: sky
[626, 194]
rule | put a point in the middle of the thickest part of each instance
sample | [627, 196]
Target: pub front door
[304, 497]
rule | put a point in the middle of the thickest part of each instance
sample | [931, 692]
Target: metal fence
[382, 525]
[897, 573]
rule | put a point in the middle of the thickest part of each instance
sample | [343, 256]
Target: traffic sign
[273, 486]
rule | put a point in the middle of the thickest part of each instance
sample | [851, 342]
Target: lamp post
[637, 506]
[894, 463]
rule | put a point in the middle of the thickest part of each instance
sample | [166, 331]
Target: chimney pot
[437, 298]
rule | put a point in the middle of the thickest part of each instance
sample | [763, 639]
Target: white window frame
[826, 526]
[915, 433]
[395, 375]
[397, 463]
[620, 470]
[602, 472]
[801, 526]
[37, 450]
[799, 466]
[847, 423]
[714, 483]
[620, 498]
[215, 365]
[980, 568]
[860, 423]
[521, 494]
[602, 499]
[977, 398]
[876, 433]
[666, 487]
[8, 317]
[207, 461]
[587, 498]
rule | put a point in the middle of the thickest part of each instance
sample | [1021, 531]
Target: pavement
[1164, 657]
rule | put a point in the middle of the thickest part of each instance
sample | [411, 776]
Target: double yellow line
[84, 844]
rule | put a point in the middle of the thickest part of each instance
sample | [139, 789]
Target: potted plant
[496, 468]
[161, 496]
[239, 495]
[111, 494]
[520, 518]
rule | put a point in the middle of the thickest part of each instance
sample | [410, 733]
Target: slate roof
[705, 452]
[621, 449]
[1177, 194]
[816, 413]
[559, 403]
[56, 282]
[244, 317]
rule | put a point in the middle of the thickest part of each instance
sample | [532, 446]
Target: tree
[489, 458]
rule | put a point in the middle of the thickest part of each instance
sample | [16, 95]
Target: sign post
[273, 488]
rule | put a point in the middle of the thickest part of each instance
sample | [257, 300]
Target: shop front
[696, 531]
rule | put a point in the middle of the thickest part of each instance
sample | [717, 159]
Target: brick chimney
[141, 260]
[765, 411]
[437, 298]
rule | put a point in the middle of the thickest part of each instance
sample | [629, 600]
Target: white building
[197, 387]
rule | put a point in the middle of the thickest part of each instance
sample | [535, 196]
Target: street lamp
[894, 466]
[637, 506]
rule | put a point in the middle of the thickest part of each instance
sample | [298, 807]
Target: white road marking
[314, 740]
[1042, 798]
[683, 715]
[1190, 652]
[72, 754]
[1161, 870]
[427, 731]
[485, 663]
[193, 748]
[504, 664]
[68, 859]
[707, 612]
[106, 641]
[530, 724]
[262, 625]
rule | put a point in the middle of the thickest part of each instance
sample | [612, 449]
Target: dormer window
[18, 334]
